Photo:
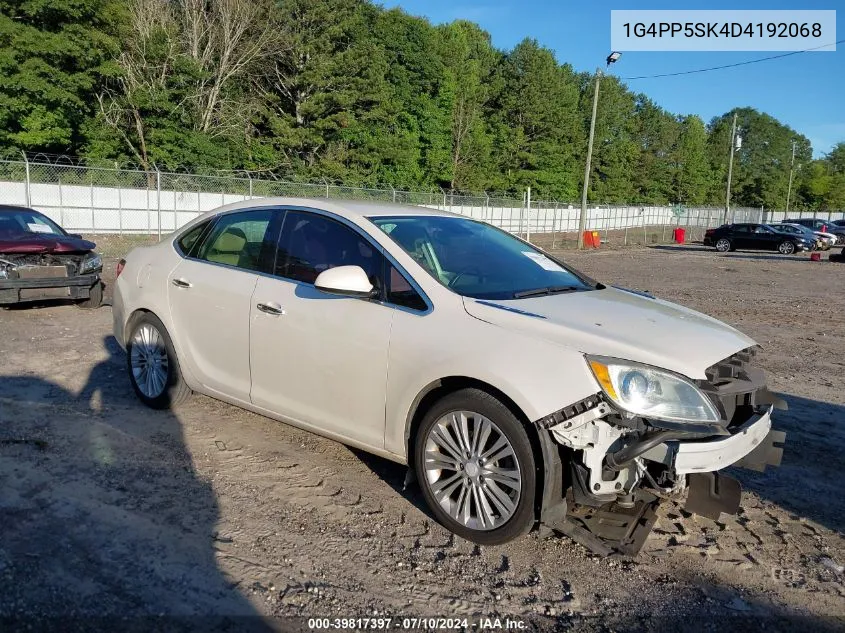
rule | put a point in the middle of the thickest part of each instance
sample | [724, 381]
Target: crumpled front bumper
[754, 445]
[32, 289]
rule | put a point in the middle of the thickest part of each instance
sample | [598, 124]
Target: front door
[317, 358]
[210, 293]
[765, 238]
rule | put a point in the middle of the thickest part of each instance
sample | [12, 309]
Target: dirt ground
[113, 515]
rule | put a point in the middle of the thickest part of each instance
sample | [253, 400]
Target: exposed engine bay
[614, 468]
[27, 265]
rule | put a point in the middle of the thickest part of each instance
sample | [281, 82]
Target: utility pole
[730, 172]
[791, 170]
[582, 221]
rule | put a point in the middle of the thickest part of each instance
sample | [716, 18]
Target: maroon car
[40, 260]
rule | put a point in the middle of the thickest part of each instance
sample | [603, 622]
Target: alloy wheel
[149, 362]
[723, 245]
[787, 248]
[472, 470]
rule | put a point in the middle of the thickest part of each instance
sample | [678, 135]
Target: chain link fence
[125, 201]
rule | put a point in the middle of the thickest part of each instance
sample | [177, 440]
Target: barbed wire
[258, 175]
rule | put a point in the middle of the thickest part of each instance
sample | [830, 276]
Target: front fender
[538, 376]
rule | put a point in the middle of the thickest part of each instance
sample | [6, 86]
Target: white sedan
[518, 391]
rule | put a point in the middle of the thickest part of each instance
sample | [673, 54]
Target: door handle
[270, 308]
[180, 283]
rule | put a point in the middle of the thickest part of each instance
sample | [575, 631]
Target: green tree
[762, 164]
[466, 91]
[657, 135]
[616, 148]
[693, 176]
[52, 54]
[539, 133]
[323, 86]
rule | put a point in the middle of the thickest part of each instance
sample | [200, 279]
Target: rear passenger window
[241, 240]
[190, 240]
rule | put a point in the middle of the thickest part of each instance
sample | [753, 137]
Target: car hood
[44, 243]
[621, 324]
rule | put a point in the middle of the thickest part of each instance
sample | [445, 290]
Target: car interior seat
[416, 242]
[229, 247]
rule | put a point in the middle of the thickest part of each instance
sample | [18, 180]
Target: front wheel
[95, 297]
[476, 467]
[153, 366]
[786, 248]
[723, 245]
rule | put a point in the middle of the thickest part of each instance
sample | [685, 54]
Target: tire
[786, 248]
[95, 298]
[466, 485]
[149, 347]
[723, 245]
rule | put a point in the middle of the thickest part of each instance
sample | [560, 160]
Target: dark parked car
[826, 226]
[822, 243]
[730, 237]
[40, 260]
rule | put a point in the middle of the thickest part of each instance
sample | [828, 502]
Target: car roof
[13, 208]
[352, 209]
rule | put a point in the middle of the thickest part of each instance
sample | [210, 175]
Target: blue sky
[805, 91]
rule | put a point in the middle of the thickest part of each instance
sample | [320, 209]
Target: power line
[751, 61]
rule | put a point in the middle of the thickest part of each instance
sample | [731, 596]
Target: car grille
[736, 387]
[39, 265]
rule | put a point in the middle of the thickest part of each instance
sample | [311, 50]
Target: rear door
[210, 293]
[741, 236]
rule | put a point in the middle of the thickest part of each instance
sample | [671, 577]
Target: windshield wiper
[540, 292]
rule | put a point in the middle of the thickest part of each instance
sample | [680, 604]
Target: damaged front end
[607, 469]
[32, 276]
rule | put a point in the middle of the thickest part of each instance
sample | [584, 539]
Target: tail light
[709, 231]
[119, 268]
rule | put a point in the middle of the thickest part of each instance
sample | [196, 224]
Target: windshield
[26, 222]
[478, 260]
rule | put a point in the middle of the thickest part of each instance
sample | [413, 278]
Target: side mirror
[76, 235]
[348, 281]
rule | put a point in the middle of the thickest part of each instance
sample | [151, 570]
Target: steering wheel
[468, 270]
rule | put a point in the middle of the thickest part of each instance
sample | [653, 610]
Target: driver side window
[311, 243]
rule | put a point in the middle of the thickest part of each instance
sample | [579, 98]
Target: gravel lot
[112, 510]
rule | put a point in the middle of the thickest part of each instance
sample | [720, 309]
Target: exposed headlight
[91, 262]
[650, 392]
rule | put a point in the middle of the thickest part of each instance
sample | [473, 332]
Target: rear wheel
[786, 247]
[723, 245]
[153, 366]
[476, 467]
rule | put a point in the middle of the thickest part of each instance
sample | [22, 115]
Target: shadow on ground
[751, 255]
[808, 481]
[105, 522]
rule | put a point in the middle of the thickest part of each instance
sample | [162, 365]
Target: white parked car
[519, 391]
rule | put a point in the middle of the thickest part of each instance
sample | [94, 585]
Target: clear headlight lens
[92, 261]
[652, 393]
